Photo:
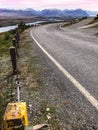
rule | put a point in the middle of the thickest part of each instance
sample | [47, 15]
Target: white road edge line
[89, 97]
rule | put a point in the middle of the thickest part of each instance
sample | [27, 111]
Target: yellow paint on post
[16, 111]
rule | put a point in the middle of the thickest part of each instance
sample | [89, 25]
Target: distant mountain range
[61, 13]
[45, 13]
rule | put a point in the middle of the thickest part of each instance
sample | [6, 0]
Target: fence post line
[13, 59]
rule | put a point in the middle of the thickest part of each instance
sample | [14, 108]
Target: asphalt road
[77, 52]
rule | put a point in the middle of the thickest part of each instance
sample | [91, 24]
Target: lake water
[8, 28]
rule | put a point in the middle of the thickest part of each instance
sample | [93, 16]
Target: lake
[8, 28]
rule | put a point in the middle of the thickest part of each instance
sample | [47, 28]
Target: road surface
[76, 52]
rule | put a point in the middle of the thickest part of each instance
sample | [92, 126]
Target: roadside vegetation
[74, 21]
[95, 20]
[6, 77]
[5, 42]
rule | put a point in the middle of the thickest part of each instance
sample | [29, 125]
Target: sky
[48, 4]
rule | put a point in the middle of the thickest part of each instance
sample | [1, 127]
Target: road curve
[76, 50]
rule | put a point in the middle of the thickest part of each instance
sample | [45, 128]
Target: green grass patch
[5, 42]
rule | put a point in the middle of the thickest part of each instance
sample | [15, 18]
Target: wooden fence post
[13, 59]
[17, 40]
[18, 35]
[14, 43]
